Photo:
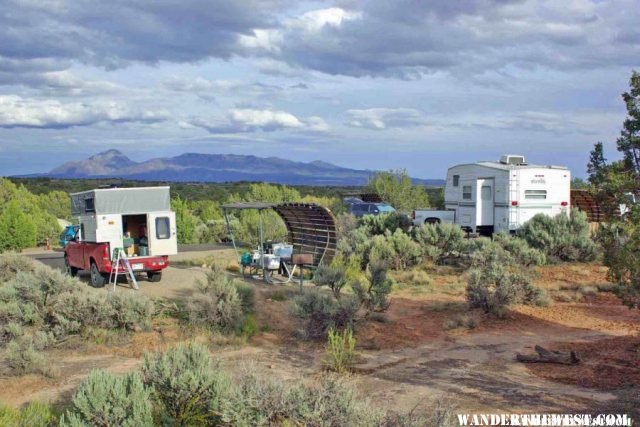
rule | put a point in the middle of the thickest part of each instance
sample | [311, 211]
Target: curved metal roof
[312, 230]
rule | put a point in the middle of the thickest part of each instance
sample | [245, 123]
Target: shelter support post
[261, 249]
[233, 240]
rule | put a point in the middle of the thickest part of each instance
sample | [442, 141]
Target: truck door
[485, 203]
[162, 234]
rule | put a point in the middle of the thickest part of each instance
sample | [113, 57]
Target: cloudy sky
[378, 84]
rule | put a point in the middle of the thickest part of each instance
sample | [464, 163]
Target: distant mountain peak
[109, 153]
[198, 167]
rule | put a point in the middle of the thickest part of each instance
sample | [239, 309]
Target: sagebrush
[188, 390]
[561, 238]
[108, 399]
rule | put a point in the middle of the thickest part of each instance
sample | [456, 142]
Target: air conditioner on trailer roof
[513, 159]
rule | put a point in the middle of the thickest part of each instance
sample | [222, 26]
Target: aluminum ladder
[122, 260]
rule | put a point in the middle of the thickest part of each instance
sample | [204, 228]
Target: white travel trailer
[491, 196]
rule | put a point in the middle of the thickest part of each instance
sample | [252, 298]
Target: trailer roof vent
[513, 159]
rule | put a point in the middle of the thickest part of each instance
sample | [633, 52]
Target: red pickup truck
[96, 258]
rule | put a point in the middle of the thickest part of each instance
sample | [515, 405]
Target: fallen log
[545, 356]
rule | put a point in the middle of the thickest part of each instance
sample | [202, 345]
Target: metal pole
[264, 273]
[233, 240]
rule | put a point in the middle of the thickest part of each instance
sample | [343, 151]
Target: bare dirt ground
[408, 359]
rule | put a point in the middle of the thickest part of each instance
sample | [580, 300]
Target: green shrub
[249, 326]
[560, 237]
[407, 252]
[48, 301]
[487, 253]
[129, 311]
[520, 250]
[12, 264]
[257, 400]
[216, 303]
[333, 277]
[345, 223]
[494, 287]
[340, 351]
[320, 312]
[355, 246]
[18, 230]
[23, 355]
[106, 399]
[460, 321]
[383, 223]
[621, 243]
[374, 294]
[189, 391]
[396, 250]
[265, 401]
[35, 414]
[247, 294]
[440, 241]
[378, 250]
[74, 312]
[396, 188]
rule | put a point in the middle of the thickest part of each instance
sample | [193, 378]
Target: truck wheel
[432, 221]
[154, 276]
[71, 271]
[97, 279]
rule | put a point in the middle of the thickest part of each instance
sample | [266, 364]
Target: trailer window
[456, 180]
[535, 194]
[466, 192]
[162, 227]
[486, 192]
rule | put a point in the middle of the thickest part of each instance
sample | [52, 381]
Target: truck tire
[71, 271]
[98, 279]
[154, 276]
[432, 221]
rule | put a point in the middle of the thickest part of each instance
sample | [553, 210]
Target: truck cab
[68, 234]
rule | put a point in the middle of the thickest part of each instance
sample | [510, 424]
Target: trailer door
[162, 234]
[485, 201]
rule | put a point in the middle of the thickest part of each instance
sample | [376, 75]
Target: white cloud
[16, 111]
[265, 119]
[251, 120]
[385, 118]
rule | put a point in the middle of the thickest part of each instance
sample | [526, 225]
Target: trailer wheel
[71, 271]
[432, 221]
[154, 276]
[98, 280]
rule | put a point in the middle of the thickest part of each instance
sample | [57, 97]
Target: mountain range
[193, 167]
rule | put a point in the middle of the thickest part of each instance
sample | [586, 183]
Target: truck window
[466, 192]
[535, 194]
[456, 180]
[89, 205]
[162, 227]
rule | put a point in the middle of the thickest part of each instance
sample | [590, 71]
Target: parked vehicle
[362, 209]
[428, 216]
[352, 201]
[138, 220]
[490, 197]
[68, 234]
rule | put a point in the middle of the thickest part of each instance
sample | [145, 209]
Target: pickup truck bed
[95, 258]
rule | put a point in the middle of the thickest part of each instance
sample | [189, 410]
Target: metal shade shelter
[311, 228]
